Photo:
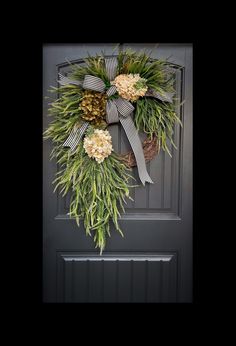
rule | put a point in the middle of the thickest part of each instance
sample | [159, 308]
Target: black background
[24, 153]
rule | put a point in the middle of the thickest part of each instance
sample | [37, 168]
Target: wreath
[130, 88]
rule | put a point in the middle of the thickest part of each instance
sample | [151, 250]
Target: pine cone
[93, 106]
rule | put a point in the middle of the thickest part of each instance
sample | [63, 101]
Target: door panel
[153, 262]
[116, 278]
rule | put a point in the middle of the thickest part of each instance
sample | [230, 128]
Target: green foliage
[94, 65]
[68, 102]
[155, 117]
[140, 84]
[98, 191]
[157, 72]
[65, 112]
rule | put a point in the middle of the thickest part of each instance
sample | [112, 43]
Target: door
[153, 262]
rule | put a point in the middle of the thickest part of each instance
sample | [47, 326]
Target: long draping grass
[99, 191]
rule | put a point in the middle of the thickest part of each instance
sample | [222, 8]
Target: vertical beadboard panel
[125, 147]
[165, 282]
[68, 282]
[80, 281]
[111, 278]
[156, 174]
[110, 282]
[95, 281]
[124, 283]
[167, 177]
[139, 284]
[153, 282]
[140, 191]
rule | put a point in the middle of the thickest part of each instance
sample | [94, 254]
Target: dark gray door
[153, 262]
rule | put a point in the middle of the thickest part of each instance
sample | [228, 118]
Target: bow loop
[75, 136]
[93, 83]
[124, 107]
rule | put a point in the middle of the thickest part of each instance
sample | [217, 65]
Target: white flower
[98, 145]
[130, 86]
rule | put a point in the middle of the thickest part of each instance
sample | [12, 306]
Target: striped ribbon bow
[117, 110]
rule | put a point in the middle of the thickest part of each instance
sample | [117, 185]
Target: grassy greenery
[94, 65]
[151, 115]
[98, 191]
[155, 72]
[156, 118]
[65, 113]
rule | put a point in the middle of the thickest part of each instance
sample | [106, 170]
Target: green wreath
[132, 89]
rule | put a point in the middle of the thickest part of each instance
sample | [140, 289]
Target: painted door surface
[153, 262]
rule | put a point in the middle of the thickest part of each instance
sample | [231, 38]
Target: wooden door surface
[153, 262]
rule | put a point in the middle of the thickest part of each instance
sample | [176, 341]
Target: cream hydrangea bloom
[98, 145]
[130, 86]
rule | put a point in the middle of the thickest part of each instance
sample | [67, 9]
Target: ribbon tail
[133, 137]
[166, 97]
[75, 136]
[112, 115]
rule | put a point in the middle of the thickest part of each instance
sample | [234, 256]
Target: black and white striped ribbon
[75, 136]
[124, 107]
[136, 145]
[93, 83]
[97, 84]
[112, 115]
[111, 91]
[121, 110]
